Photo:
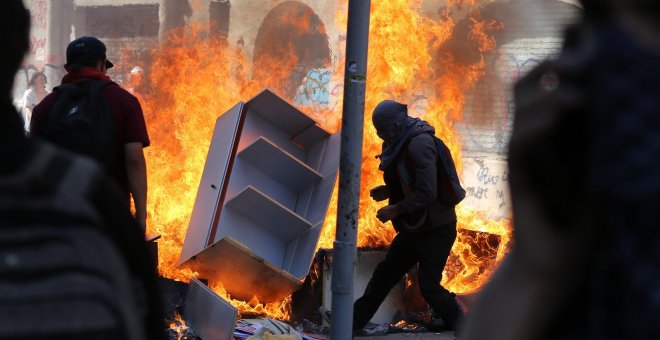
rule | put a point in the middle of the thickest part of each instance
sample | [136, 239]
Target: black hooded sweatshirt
[411, 178]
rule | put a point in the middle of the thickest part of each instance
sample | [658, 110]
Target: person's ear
[100, 65]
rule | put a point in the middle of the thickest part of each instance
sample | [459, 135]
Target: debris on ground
[270, 329]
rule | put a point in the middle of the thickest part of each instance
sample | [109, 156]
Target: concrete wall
[531, 32]
[39, 55]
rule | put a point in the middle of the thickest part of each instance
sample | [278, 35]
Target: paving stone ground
[411, 336]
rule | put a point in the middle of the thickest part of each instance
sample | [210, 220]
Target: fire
[276, 310]
[195, 78]
[178, 325]
[404, 64]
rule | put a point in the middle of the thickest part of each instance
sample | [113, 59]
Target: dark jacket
[415, 193]
[128, 120]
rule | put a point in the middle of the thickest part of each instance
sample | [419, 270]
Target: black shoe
[313, 328]
[372, 329]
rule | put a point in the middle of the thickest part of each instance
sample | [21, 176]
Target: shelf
[279, 165]
[268, 214]
[311, 136]
[280, 113]
[243, 273]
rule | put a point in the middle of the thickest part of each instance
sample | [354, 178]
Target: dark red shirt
[129, 124]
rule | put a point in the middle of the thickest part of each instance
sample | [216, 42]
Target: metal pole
[350, 161]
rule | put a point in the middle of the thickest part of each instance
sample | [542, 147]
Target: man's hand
[380, 193]
[387, 213]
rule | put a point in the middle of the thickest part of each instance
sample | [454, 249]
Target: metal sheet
[268, 214]
[208, 314]
[211, 183]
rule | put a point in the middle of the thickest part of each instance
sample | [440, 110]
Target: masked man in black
[425, 222]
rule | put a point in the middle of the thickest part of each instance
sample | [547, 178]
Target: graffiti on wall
[315, 89]
[486, 185]
[38, 31]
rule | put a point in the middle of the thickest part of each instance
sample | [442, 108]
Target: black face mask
[388, 119]
[389, 133]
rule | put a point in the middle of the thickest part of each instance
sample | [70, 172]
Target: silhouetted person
[118, 130]
[422, 215]
[74, 262]
[34, 94]
[585, 186]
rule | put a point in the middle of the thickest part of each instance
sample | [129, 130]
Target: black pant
[430, 249]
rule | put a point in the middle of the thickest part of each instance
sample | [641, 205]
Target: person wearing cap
[26, 205]
[426, 227]
[86, 61]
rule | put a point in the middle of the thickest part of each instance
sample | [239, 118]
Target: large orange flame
[404, 64]
[196, 78]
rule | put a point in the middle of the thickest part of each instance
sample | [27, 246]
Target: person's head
[38, 80]
[388, 119]
[86, 51]
[15, 23]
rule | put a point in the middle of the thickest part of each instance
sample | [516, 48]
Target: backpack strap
[453, 192]
[405, 167]
[449, 187]
[104, 122]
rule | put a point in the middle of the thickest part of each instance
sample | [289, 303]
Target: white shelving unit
[262, 199]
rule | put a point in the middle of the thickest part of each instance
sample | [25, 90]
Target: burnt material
[174, 296]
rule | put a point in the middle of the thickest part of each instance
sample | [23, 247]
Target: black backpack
[61, 277]
[81, 121]
[449, 190]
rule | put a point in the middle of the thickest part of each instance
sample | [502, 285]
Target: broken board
[208, 314]
[254, 277]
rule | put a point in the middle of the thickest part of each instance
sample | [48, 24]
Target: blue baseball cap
[86, 51]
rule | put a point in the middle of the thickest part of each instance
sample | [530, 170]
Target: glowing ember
[195, 78]
[179, 326]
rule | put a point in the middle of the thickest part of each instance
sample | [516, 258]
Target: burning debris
[193, 78]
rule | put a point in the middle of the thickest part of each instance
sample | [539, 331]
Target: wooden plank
[208, 314]
[268, 214]
[279, 164]
[243, 274]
